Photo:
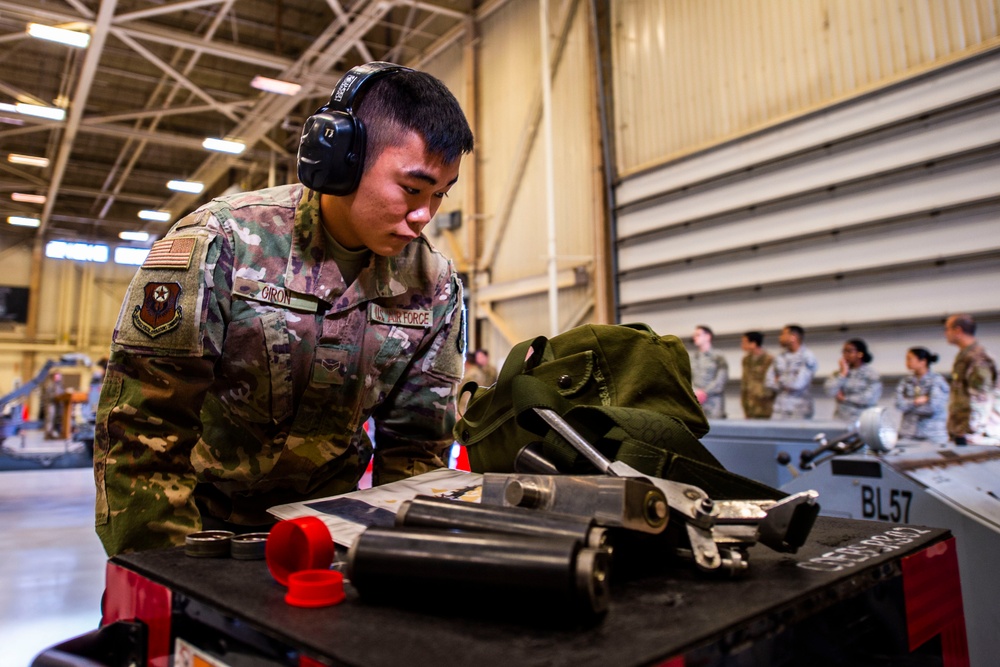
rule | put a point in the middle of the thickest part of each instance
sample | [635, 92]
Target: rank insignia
[159, 312]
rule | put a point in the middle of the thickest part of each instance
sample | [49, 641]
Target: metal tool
[718, 533]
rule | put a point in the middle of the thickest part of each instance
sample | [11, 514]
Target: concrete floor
[51, 562]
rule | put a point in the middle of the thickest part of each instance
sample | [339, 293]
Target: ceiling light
[27, 199]
[275, 85]
[29, 160]
[23, 222]
[224, 145]
[61, 35]
[186, 186]
[158, 216]
[52, 113]
[134, 236]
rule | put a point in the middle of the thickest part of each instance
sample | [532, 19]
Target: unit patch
[399, 316]
[159, 312]
[171, 253]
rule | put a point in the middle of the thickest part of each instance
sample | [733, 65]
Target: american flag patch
[171, 253]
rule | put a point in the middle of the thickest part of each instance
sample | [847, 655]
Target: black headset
[332, 148]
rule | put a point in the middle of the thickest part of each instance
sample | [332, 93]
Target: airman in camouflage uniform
[855, 385]
[973, 384]
[709, 374]
[791, 375]
[244, 364]
[757, 399]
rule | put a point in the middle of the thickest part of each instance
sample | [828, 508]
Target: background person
[791, 375]
[266, 328]
[973, 382]
[855, 385]
[709, 374]
[922, 398]
[757, 399]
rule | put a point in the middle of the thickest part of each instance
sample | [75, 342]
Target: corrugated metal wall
[691, 73]
[874, 215]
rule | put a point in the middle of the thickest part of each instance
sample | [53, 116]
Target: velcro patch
[399, 316]
[159, 312]
[279, 296]
[174, 252]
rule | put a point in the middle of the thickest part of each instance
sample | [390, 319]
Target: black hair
[414, 101]
[923, 354]
[706, 329]
[862, 347]
[755, 337]
[797, 330]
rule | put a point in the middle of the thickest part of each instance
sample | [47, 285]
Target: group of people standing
[779, 387]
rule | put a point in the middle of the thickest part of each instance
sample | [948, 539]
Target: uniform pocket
[256, 366]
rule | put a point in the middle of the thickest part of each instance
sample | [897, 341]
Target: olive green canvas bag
[624, 388]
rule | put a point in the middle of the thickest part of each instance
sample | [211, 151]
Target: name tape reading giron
[855, 554]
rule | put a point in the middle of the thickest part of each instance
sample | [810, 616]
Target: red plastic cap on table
[315, 588]
[303, 543]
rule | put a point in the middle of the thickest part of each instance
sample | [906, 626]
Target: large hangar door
[874, 218]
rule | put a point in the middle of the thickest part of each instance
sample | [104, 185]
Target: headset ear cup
[330, 153]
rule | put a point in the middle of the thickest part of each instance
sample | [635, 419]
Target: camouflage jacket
[861, 387]
[710, 372]
[791, 377]
[243, 370]
[924, 421]
[757, 399]
[973, 379]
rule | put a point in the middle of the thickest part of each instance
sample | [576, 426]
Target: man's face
[395, 200]
[746, 345]
[787, 339]
[951, 332]
[701, 339]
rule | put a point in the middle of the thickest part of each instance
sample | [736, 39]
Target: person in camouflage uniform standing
[757, 399]
[791, 374]
[973, 384]
[265, 328]
[855, 385]
[709, 374]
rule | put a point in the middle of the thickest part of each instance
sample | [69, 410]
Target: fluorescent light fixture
[194, 187]
[158, 216]
[61, 35]
[130, 256]
[83, 252]
[23, 222]
[29, 160]
[52, 113]
[224, 145]
[275, 85]
[133, 236]
[27, 199]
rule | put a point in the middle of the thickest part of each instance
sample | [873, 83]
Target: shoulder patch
[159, 311]
[162, 312]
[173, 252]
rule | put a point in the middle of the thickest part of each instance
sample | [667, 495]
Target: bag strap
[515, 365]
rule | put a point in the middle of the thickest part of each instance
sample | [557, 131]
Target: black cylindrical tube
[433, 512]
[497, 571]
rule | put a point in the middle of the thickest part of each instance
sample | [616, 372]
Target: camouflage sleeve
[721, 377]
[148, 413]
[413, 426]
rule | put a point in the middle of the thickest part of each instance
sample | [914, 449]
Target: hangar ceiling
[159, 77]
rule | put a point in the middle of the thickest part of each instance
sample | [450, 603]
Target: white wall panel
[955, 234]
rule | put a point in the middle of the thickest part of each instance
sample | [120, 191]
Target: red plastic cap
[303, 543]
[315, 588]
